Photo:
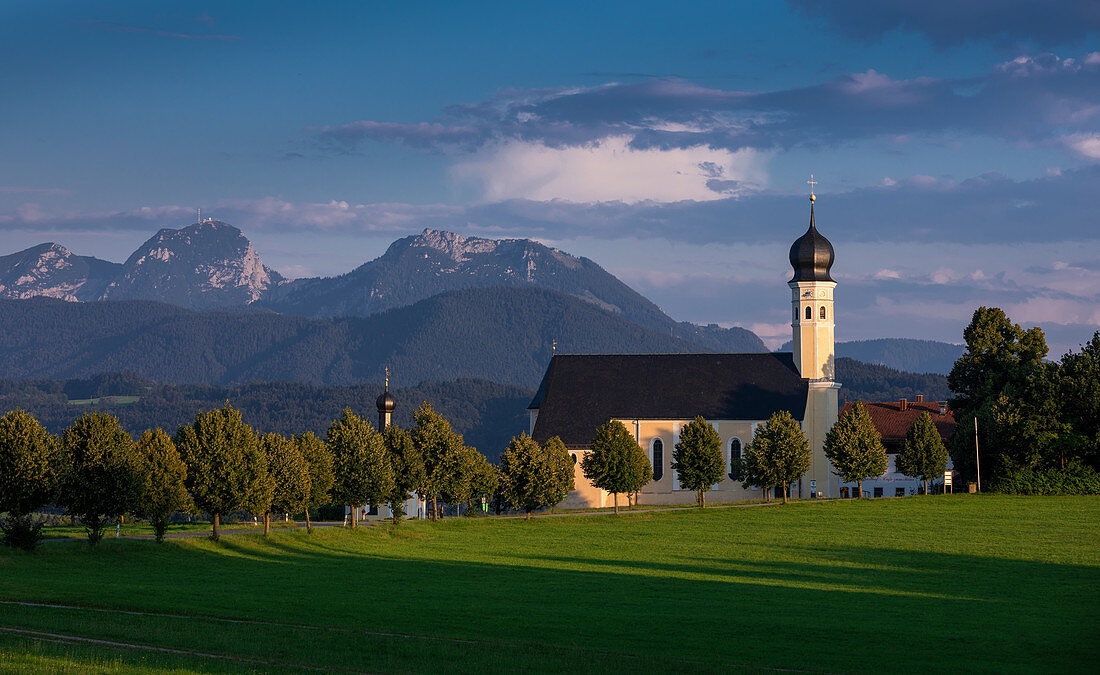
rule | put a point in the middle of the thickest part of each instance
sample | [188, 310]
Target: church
[656, 395]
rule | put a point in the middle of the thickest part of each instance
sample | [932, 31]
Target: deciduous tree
[1079, 395]
[533, 476]
[290, 477]
[439, 446]
[697, 458]
[165, 490]
[30, 469]
[363, 470]
[923, 454]
[319, 460]
[561, 471]
[854, 447]
[226, 470]
[106, 474]
[612, 464]
[778, 455]
[1000, 359]
[408, 468]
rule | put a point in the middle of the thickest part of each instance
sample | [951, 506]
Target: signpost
[813, 489]
[947, 476]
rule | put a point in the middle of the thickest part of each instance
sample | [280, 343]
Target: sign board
[947, 475]
[813, 487]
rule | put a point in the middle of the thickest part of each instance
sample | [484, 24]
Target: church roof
[893, 419]
[580, 392]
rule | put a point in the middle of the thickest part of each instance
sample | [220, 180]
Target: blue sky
[957, 145]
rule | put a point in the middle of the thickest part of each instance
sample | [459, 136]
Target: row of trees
[778, 455]
[218, 465]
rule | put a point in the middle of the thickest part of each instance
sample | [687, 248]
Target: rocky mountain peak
[204, 265]
[51, 270]
[454, 245]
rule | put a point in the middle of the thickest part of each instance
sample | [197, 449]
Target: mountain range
[212, 265]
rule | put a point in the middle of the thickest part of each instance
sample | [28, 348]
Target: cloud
[1087, 145]
[611, 170]
[983, 209]
[948, 24]
[115, 27]
[1035, 98]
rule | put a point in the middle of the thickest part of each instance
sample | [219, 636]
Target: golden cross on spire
[387, 377]
[812, 183]
[554, 347]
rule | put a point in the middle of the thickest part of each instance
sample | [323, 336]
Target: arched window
[735, 456]
[574, 456]
[822, 313]
[795, 314]
[809, 312]
[657, 458]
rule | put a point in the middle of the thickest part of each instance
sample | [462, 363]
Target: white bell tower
[813, 346]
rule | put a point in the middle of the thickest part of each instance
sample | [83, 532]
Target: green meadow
[958, 582]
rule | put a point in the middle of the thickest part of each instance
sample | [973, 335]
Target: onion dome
[811, 254]
[385, 401]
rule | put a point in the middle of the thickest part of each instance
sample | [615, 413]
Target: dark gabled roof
[579, 393]
[892, 423]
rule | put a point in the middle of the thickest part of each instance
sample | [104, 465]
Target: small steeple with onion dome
[386, 405]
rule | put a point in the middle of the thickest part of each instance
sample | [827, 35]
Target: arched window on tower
[657, 458]
[735, 456]
[809, 313]
[822, 313]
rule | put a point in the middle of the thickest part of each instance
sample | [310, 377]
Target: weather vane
[812, 183]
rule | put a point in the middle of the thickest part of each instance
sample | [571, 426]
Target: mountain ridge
[212, 265]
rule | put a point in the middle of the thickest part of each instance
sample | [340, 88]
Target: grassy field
[972, 582]
[142, 528]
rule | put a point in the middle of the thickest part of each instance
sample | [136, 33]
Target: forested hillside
[917, 356]
[872, 382]
[485, 413]
[500, 334]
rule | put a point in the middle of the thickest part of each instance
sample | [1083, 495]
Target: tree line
[218, 465]
[778, 455]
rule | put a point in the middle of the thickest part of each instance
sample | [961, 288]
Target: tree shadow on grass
[837, 609]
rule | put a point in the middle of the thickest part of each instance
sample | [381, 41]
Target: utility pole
[977, 459]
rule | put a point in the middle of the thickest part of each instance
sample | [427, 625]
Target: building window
[736, 455]
[822, 313]
[899, 492]
[878, 492]
[809, 313]
[657, 458]
[796, 314]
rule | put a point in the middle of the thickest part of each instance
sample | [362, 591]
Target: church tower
[814, 354]
[386, 405]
